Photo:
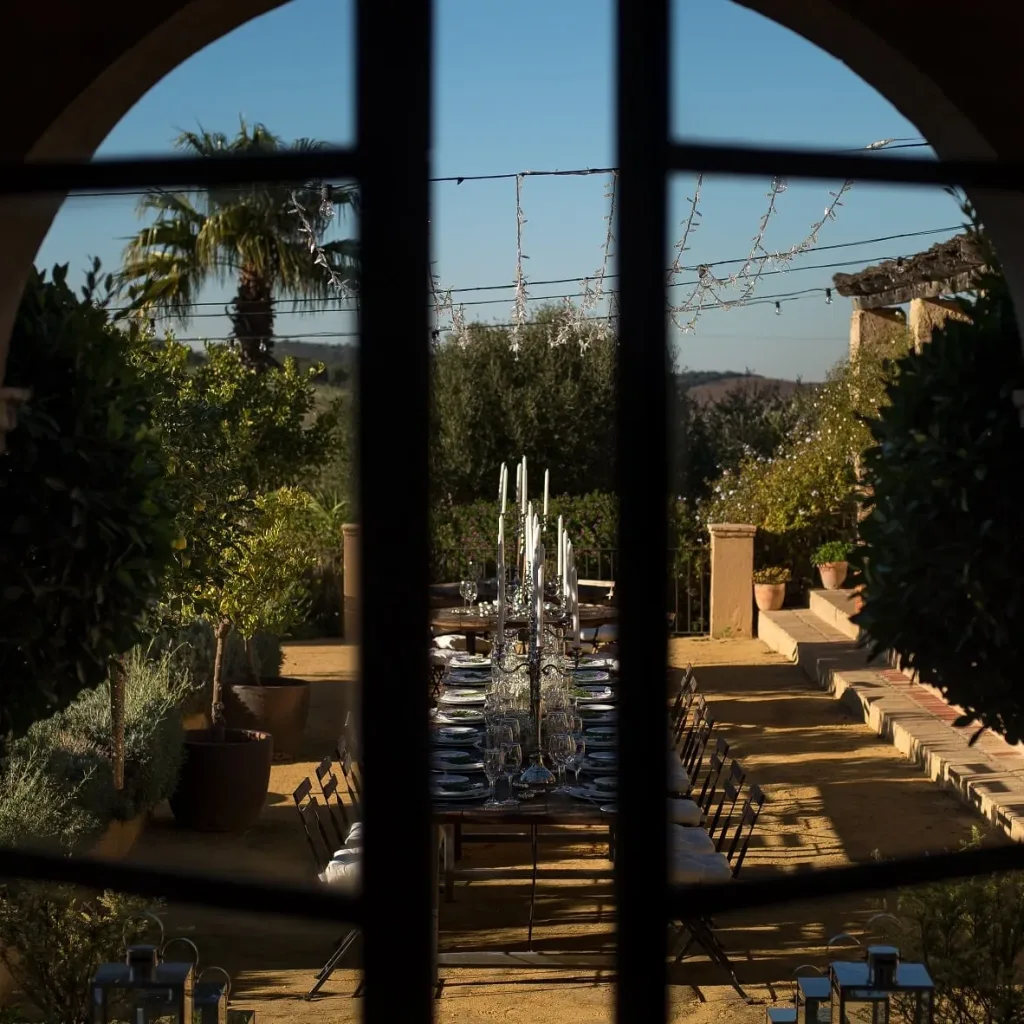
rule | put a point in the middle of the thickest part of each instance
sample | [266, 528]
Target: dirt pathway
[837, 793]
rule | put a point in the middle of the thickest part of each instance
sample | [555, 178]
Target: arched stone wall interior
[90, 66]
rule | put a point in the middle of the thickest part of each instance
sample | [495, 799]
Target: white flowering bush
[807, 492]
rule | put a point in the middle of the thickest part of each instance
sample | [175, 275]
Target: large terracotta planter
[278, 706]
[769, 597]
[833, 574]
[224, 781]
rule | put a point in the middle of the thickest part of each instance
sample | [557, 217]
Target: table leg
[449, 863]
[533, 887]
[436, 911]
[470, 642]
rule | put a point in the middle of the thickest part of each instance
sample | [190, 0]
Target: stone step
[987, 775]
[836, 607]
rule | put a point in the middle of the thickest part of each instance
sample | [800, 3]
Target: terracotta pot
[769, 597]
[277, 706]
[833, 574]
[224, 781]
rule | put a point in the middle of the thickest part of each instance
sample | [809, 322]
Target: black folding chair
[719, 824]
[684, 698]
[716, 764]
[332, 800]
[693, 754]
[700, 931]
[321, 848]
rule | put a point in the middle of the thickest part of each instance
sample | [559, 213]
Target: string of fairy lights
[588, 308]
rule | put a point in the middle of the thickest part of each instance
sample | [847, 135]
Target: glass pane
[779, 473]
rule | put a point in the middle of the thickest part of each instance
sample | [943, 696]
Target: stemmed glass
[513, 761]
[494, 763]
[580, 752]
[560, 746]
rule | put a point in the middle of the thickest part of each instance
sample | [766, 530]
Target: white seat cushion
[678, 780]
[690, 840]
[344, 868]
[683, 812]
[697, 868]
[355, 835]
[450, 642]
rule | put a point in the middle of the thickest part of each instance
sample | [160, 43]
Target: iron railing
[391, 163]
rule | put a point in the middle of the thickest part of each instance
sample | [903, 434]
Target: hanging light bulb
[778, 309]
[326, 201]
[828, 296]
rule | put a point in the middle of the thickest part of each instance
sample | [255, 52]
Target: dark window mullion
[642, 467]
[394, 132]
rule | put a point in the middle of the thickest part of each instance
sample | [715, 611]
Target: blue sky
[528, 86]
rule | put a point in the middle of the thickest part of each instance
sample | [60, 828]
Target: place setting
[458, 697]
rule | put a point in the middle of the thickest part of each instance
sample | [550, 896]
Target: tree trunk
[117, 697]
[217, 710]
[252, 319]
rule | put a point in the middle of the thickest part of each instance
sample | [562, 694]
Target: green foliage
[772, 574]
[807, 492]
[75, 746]
[53, 937]
[553, 404]
[84, 510]
[941, 561]
[970, 935]
[831, 551]
[264, 588]
[261, 431]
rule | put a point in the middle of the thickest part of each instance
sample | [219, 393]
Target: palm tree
[261, 236]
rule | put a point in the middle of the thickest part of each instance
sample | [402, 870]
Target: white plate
[593, 709]
[466, 677]
[452, 757]
[457, 734]
[606, 757]
[590, 675]
[456, 716]
[609, 808]
[607, 783]
[449, 782]
[470, 793]
[462, 697]
[601, 732]
[596, 696]
[592, 796]
[599, 661]
[463, 660]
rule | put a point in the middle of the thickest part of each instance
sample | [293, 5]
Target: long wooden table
[473, 624]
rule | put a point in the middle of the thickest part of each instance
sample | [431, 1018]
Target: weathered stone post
[732, 580]
[350, 589]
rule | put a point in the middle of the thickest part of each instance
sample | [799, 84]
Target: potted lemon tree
[770, 587]
[832, 563]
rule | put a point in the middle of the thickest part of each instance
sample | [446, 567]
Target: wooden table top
[454, 620]
[543, 809]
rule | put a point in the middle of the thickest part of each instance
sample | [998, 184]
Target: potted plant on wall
[770, 587]
[832, 562]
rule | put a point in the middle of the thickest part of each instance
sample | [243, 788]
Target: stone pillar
[351, 617]
[926, 315]
[732, 580]
[10, 400]
[870, 326]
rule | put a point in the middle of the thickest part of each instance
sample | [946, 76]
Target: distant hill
[714, 390]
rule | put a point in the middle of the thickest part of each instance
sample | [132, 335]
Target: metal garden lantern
[862, 990]
[150, 989]
[811, 1001]
[212, 1000]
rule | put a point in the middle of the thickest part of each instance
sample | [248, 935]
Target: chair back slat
[686, 729]
[718, 828]
[332, 799]
[745, 829]
[312, 826]
[694, 760]
[715, 765]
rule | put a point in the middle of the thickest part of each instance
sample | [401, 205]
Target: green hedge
[464, 533]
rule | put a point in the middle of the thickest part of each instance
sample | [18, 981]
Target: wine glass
[494, 762]
[580, 752]
[558, 721]
[512, 723]
[560, 746]
[471, 590]
[499, 736]
[512, 763]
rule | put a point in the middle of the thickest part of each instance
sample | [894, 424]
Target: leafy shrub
[53, 937]
[807, 492]
[942, 540]
[831, 551]
[464, 533]
[969, 934]
[76, 744]
[84, 510]
[772, 574]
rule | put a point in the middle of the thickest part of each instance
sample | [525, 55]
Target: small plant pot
[224, 781]
[278, 706]
[769, 597]
[833, 574]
